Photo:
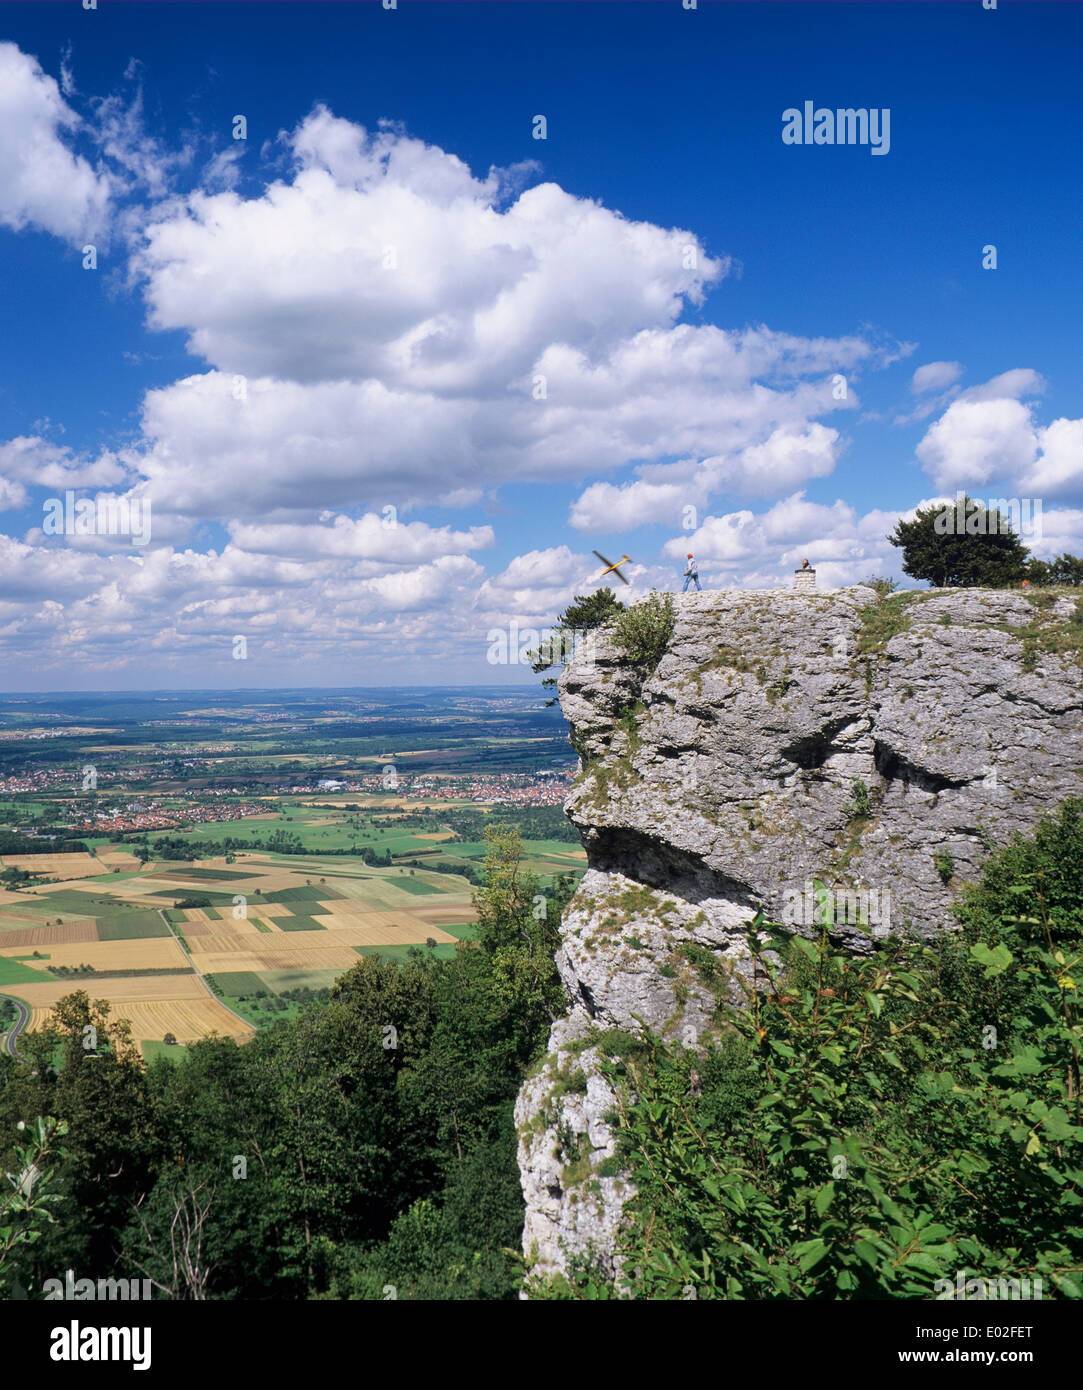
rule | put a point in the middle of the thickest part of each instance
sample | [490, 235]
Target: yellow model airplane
[612, 568]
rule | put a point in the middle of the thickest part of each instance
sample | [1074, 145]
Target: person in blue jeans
[691, 573]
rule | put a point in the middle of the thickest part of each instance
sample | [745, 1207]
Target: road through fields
[199, 973]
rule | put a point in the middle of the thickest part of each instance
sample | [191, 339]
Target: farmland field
[262, 884]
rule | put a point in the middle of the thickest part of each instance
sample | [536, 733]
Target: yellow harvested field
[212, 942]
[334, 956]
[119, 859]
[450, 912]
[149, 953]
[61, 865]
[135, 987]
[187, 1019]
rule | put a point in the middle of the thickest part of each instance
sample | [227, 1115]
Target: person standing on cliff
[691, 573]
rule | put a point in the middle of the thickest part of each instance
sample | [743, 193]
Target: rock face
[880, 747]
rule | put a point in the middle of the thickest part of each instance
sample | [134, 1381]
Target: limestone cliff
[880, 747]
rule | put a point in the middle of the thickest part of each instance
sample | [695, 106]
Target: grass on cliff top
[883, 620]
[1056, 636]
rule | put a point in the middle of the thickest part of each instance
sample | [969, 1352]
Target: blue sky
[342, 321]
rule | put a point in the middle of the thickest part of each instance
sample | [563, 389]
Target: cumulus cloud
[370, 537]
[785, 458]
[761, 550]
[989, 434]
[42, 182]
[32, 459]
[405, 328]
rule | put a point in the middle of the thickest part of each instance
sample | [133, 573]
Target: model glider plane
[611, 568]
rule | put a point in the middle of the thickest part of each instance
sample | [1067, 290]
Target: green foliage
[867, 1126]
[585, 613]
[882, 585]
[643, 631]
[519, 929]
[881, 621]
[1065, 570]
[945, 865]
[859, 806]
[376, 1126]
[26, 1209]
[987, 553]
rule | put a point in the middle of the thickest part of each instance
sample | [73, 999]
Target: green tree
[518, 931]
[986, 552]
[585, 613]
[1065, 569]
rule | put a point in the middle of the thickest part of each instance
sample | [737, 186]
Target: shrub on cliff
[644, 631]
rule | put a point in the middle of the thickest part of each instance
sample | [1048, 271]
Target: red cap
[690, 555]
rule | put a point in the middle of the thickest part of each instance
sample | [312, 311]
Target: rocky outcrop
[881, 747]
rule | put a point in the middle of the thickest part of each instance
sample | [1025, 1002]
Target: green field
[415, 885]
[304, 894]
[462, 931]
[234, 983]
[280, 980]
[173, 1052]
[14, 972]
[299, 924]
[207, 896]
[131, 927]
[224, 875]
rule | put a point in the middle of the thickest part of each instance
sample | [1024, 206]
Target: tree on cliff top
[961, 544]
[585, 613]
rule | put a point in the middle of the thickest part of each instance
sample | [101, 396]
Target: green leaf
[996, 961]
[809, 1253]
[824, 1198]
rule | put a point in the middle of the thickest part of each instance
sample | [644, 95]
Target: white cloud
[1059, 467]
[761, 550]
[935, 376]
[367, 538]
[786, 458]
[1015, 385]
[407, 330]
[33, 460]
[42, 183]
[989, 435]
[978, 440]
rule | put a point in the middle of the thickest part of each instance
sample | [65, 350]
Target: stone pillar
[804, 579]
